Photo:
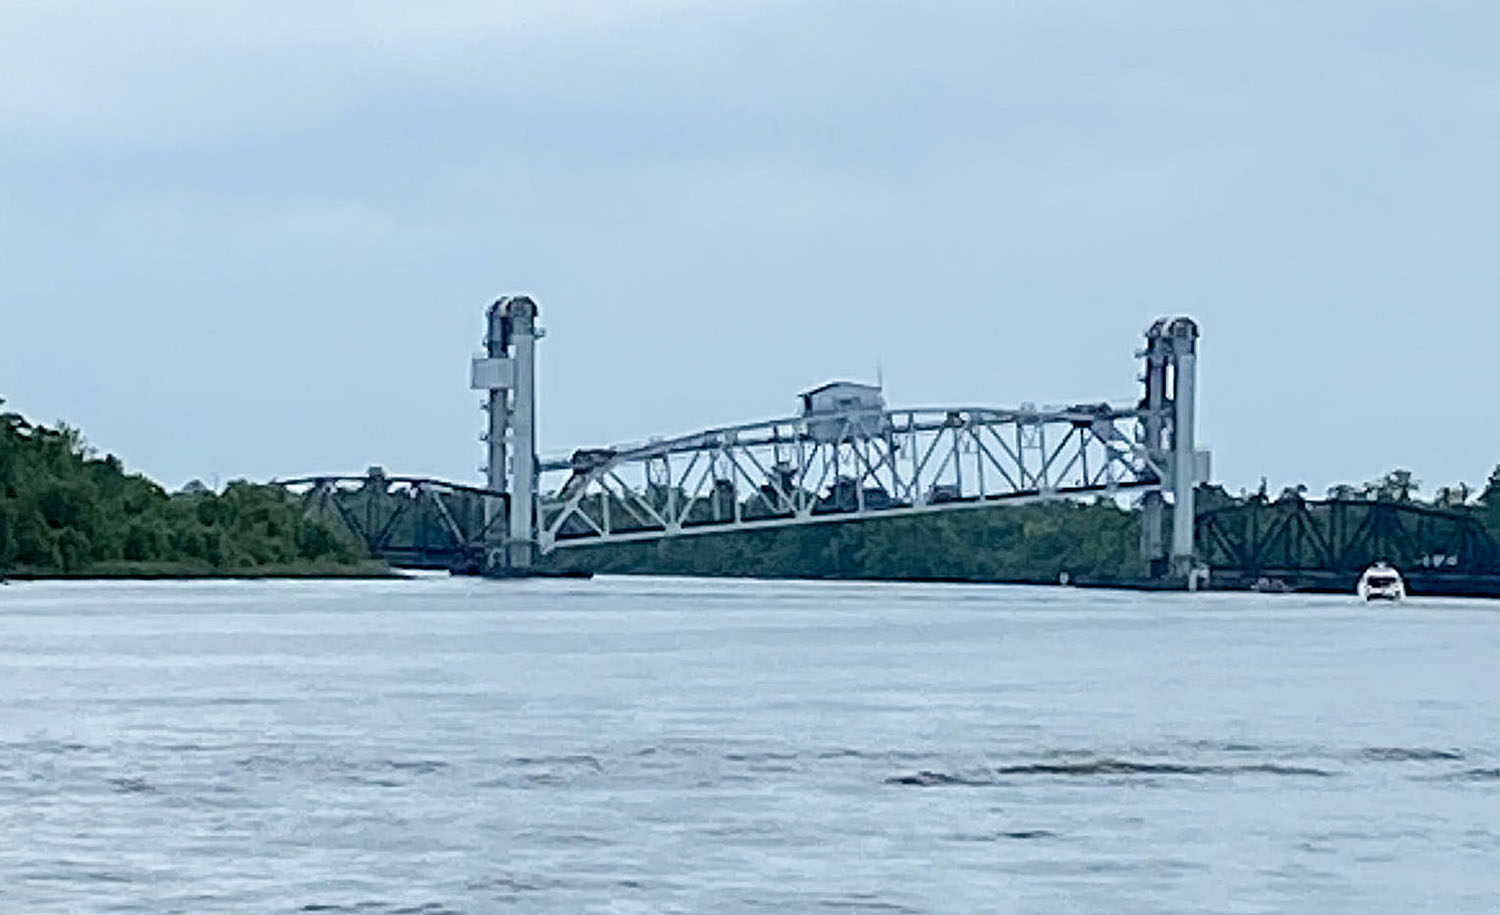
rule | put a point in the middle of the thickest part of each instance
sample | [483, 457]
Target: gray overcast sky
[257, 238]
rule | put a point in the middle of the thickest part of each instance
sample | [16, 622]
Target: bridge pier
[507, 373]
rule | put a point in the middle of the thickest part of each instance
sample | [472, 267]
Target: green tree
[65, 509]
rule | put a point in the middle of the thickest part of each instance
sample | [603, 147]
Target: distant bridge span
[751, 477]
[841, 459]
[842, 466]
[1326, 544]
[418, 522]
[847, 457]
[411, 522]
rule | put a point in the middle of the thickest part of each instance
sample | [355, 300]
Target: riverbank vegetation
[65, 510]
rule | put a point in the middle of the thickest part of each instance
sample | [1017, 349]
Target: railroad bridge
[1325, 544]
[848, 456]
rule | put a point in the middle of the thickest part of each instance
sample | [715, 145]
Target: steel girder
[841, 467]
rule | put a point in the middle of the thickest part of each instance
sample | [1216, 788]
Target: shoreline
[196, 570]
[1431, 588]
[1419, 584]
[355, 574]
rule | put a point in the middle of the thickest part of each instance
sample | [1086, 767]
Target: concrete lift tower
[1168, 420]
[507, 373]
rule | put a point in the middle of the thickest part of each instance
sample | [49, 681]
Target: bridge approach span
[1326, 544]
[410, 522]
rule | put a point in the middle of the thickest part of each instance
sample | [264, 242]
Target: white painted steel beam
[741, 477]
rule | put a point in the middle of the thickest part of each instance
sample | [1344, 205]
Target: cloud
[159, 72]
[717, 203]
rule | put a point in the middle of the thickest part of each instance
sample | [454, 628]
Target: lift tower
[507, 373]
[1168, 429]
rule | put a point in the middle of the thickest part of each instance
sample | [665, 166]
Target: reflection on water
[684, 746]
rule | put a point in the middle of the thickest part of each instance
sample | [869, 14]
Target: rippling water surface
[639, 745]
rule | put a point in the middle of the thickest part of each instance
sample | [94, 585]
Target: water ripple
[1474, 775]
[1017, 834]
[1409, 754]
[928, 778]
[863, 902]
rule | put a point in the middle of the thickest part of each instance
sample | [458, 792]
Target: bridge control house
[836, 399]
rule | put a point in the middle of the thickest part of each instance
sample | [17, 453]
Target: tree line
[66, 510]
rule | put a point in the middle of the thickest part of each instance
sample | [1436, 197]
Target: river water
[649, 745]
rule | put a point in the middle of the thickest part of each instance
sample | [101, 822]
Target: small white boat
[1381, 582]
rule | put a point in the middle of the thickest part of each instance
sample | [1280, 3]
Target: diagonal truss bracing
[408, 521]
[840, 467]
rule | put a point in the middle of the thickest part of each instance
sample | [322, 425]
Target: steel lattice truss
[838, 467]
[1296, 535]
[408, 521]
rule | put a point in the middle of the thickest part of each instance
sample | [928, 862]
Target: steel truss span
[1294, 536]
[412, 522]
[841, 466]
